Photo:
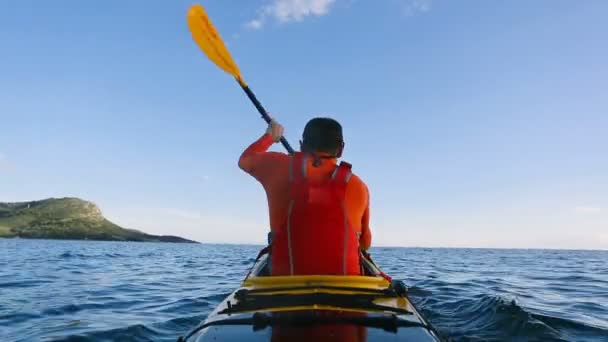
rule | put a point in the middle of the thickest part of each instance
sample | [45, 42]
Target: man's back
[271, 169]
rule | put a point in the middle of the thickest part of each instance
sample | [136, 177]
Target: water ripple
[109, 291]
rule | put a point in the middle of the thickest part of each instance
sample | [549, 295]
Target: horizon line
[377, 246]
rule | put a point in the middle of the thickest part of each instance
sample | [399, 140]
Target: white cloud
[587, 210]
[411, 7]
[297, 10]
[255, 24]
[290, 10]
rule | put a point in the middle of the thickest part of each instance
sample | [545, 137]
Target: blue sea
[122, 291]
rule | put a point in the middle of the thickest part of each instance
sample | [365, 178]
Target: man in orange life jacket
[319, 210]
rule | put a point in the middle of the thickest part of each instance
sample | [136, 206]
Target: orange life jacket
[317, 237]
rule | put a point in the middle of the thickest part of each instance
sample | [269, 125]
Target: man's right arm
[255, 160]
[250, 157]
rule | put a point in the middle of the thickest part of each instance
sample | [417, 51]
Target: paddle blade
[210, 42]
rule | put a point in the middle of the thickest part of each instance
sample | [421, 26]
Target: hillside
[66, 218]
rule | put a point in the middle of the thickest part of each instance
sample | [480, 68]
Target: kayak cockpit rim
[363, 282]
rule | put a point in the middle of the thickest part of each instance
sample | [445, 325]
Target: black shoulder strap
[348, 165]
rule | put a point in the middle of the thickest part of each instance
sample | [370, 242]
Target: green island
[67, 219]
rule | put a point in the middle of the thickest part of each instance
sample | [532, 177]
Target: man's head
[323, 135]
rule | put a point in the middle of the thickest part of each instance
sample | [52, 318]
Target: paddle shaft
[265, 115]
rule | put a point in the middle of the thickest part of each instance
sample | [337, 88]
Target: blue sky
[474, 123]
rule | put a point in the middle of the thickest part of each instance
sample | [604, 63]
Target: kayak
[370, 307]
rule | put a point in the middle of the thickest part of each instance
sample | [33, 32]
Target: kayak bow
[320, 308]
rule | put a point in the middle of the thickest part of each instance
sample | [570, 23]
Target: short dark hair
[322, 135]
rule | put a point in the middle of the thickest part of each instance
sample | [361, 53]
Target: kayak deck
[323, 308]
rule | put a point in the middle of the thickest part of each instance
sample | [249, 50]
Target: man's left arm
[365, 240]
